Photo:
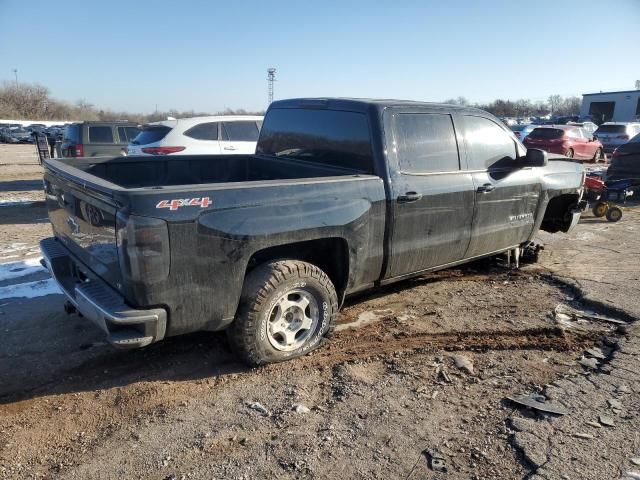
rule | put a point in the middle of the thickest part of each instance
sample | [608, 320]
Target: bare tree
[554, 103]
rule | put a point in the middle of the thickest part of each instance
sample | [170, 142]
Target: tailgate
[85, 222]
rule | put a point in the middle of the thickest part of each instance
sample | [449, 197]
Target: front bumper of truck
[575, 214]
[125, 326]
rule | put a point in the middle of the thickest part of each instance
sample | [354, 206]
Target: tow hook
[69, 308]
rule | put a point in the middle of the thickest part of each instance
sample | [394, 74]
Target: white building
[612, 106]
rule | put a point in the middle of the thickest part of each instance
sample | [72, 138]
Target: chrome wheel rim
[292, 320]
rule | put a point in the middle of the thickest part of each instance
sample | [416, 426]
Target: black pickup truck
[342, 195]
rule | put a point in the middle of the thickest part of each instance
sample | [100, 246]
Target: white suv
[221, 135]
[614, 134]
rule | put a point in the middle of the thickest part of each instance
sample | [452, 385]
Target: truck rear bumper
[126, 327]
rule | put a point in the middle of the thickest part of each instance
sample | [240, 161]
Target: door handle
[409, 197]
[486, 188]
[230, 148]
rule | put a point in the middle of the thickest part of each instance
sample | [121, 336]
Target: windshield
[329, 137]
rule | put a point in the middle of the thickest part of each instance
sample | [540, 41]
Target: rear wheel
[600, 210]
[614, 214]
[569, 153]
[286, 309]
[598, 156]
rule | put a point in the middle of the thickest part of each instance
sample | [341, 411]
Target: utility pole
[15, 72]
[271, 77]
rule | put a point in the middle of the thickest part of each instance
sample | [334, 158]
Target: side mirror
[535, 158]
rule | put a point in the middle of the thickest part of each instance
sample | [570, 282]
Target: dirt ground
[416, 370]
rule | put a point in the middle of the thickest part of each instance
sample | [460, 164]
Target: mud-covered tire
[249, 335]
[614, 214]
[600, 209]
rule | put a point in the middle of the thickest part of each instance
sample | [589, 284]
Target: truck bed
[253, 203]
[144, 172]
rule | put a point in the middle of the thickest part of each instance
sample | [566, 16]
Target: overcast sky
[208, 55]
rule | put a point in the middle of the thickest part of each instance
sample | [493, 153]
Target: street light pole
[15, 72]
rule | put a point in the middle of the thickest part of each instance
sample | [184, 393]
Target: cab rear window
[549, 133]
[328, 137]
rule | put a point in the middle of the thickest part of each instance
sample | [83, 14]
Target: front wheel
[286, 308]
[569, 153]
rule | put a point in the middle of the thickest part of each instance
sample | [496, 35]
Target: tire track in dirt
[373, 341]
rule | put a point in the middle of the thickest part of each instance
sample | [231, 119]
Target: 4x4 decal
[176, 203]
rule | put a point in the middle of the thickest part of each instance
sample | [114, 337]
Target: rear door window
[426, 142]
[204, 131]
[100, 134]
[241, 131]
[488, 144]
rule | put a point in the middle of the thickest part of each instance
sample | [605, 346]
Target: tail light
[143, 248]
[79, 151]
[162, 150]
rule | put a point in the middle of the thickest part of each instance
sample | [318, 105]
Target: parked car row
[16, 133]
[211, 135]
[580, 140]
[198, 135]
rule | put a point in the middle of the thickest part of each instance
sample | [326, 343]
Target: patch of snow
[365, 318]
[20, 269]
[12, 202]
[30, 289]
[13, 247]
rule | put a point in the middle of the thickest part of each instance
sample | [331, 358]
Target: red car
[568, 140]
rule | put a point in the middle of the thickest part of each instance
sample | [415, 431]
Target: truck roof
[363, 104]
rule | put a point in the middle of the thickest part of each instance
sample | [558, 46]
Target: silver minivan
[614, 134]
